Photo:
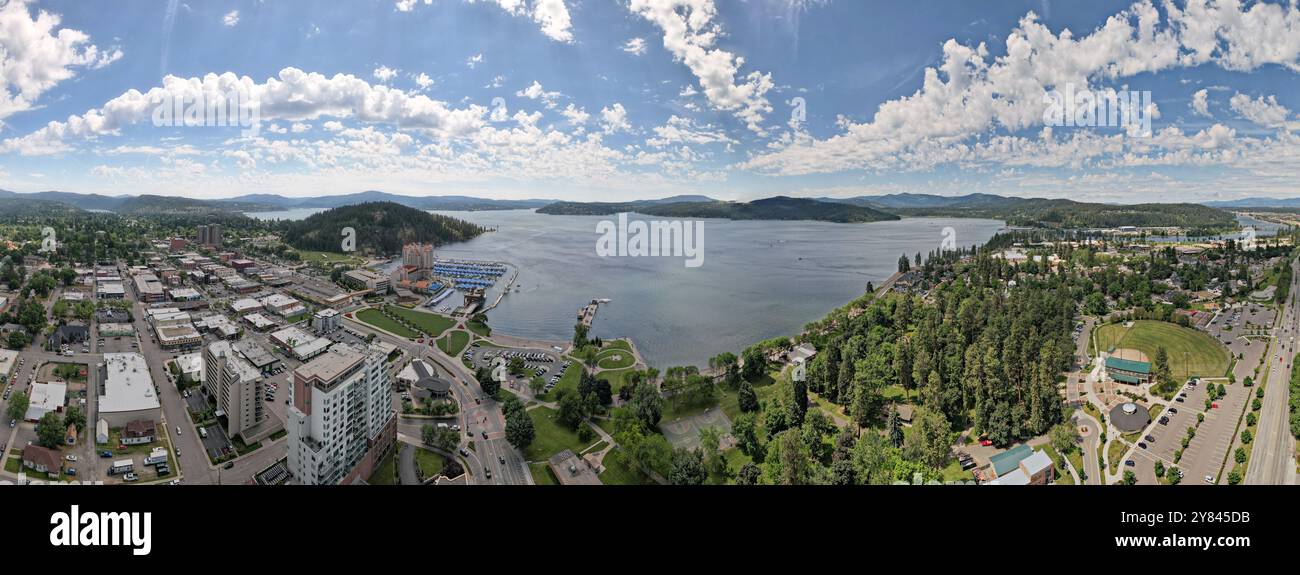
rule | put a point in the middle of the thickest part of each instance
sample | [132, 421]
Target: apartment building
[234, 383]
[341, 418]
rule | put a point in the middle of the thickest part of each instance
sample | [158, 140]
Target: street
[1272, 461]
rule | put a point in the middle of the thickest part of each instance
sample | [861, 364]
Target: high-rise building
[214, 235]
[341, 417]
[234, 383]
[201, 237]
[418, 256]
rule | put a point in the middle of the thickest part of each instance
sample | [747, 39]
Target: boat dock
[587, 314]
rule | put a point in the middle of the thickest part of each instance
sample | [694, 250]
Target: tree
[934, 437]
[1160, 468]
[519, 429]
[50, 430]
[490, 385]
[749, 474]
[1173, 475]
[18, 340]
[570, 410]
[74, 416]
[537, 384]
[755, 363]
[1240, 455]
[648, 406]
[18, 404]
[1130, 478]
[687, 468]
[1065, 438]
[746, 397]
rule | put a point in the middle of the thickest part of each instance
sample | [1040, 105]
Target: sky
[615, 100]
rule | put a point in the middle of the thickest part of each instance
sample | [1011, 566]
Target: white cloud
[299, 127]
[36, 54]
[679, 130]
[551, 16]
[971, 93]
[474, 61]
[536, 92]
[231, 18]
[635, 46]
[423, 81]
[575, 115]
[613, 119]
[291, 96]
[689, 35]
[1262, 111]
[384, 74]
[1201, 103]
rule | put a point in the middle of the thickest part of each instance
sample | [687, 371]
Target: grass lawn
[454, 343]
[568, 381]
[617, 379]
[386, 473]
[620, 471]
[954, 472]
[1191, 352]
[735, 460]
[552, 436]
[542, 474]
[432, 324]
[381, 321]
[479, 328]
[1063, 476]
[1114, 453]
[618, 344]
[615, 359]
[329, 258]
[1076, 459]
[430, 463]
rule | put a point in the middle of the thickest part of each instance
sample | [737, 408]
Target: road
[1272, 461]
[476, 418]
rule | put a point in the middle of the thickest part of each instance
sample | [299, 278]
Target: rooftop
[128, 386]
[329, 366]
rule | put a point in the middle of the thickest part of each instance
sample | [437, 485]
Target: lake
[759, 279]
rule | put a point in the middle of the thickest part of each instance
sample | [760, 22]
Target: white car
[70, 457]
[1209, 479]
[178, 430]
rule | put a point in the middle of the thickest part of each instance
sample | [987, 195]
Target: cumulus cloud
[613, 119]
[1201, 103]
[231, 18]
[384, 74]
[423, 81]
[971, 93]
[551, 16]
[293, 95]
[679, 130]
[536, 92]
[1262, 111]
[36, 54]
[690, 32]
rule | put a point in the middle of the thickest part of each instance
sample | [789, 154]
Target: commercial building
[177, 333]
[128, 390]
[116, 330]
[1128, 366]
[326, 320]
[301, 344]
[185, 294]
[367, 280]
[1022, 466]
[148, 289]
[570, 469]
[235, 385]
[259, 321]
[341, 417]
[245, 305]
[110, 290]
[46, 398]
[283, 305]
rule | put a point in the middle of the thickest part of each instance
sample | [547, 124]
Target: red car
[986, 442]
[1214, 406]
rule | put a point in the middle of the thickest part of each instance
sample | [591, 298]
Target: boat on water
[604, 300]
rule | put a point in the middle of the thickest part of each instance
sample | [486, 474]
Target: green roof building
[1128, 371]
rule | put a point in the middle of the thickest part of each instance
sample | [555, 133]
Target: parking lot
[546, 363]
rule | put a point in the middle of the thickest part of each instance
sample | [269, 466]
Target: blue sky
[617, 100]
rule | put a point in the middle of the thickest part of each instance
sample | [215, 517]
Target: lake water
[759, 279]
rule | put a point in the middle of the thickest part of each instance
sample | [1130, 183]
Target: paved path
[1272, 461]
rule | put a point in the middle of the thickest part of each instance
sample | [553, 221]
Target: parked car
[105, 454]
[70, 457]
[131, 477]
[1130, 463]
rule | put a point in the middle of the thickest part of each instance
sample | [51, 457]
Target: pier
[587, 314]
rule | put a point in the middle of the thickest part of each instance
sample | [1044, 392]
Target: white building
[283, 305]
[303, 345]
[246, 305]
[46, 398]
[128, 390]
[341, 418]
[236, 386]
[326, 320]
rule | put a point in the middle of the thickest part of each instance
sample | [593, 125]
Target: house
[44, 460]
[139, 432]
[45, 398]
[1022, 466]
[69, 334]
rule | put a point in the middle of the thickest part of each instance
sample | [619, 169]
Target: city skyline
[652, 98]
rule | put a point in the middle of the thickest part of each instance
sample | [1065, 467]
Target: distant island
[777, 208]
[382, 228]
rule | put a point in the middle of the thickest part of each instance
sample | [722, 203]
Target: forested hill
[777, 208]
[382, 228]
[1061, 213]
